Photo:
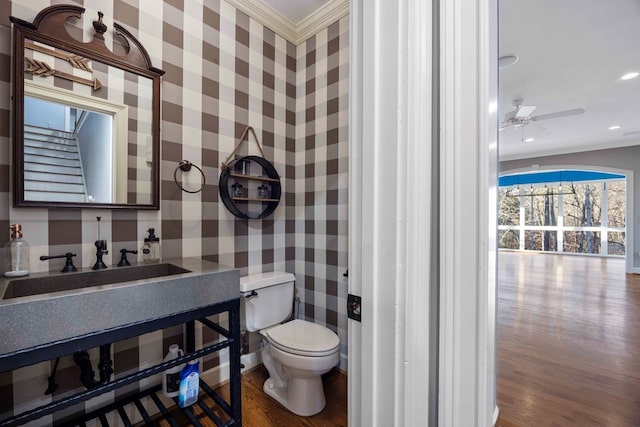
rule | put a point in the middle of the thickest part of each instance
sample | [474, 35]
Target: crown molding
[321, 19]
[281, 25]
[570, 150]
[267, 16]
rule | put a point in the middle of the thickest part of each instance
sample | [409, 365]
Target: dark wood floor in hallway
[568, 341]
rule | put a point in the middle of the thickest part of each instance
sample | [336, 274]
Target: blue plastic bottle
[189, 384]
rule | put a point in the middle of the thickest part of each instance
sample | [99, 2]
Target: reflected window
[68, 153]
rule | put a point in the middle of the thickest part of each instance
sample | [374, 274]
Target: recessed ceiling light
[507, 61]
[630, 76]
[614, 127]
[529, 140]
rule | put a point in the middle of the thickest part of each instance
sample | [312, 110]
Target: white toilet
[295, 353]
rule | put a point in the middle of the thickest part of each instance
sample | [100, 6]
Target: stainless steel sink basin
[70, 281]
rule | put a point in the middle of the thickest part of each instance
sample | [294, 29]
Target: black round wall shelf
[250, 187]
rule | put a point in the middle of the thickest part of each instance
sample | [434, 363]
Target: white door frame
[419, 212]
[469, 108]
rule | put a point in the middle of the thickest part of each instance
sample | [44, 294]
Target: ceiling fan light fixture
[529, 140]
[614, 127]
[507, 61]
[630, 76]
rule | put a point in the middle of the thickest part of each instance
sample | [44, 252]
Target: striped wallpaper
[224, 71]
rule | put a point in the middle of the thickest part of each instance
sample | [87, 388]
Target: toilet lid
[303, 338]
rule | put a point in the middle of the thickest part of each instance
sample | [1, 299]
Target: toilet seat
[303, 338]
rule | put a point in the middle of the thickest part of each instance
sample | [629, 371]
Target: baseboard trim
[496, 413]
[340, 372]
[216, 376]
[343, 362]
[251, 361]
[219, 375]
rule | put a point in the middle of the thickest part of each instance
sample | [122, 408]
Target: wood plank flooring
[568, 341]
[568, 349]
[260, 410]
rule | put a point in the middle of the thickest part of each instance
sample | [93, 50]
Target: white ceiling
[572, 54]
[296, 10]
[295, 20]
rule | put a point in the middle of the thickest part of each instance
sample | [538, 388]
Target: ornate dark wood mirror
[86, 116]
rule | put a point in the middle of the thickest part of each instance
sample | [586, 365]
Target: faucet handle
[123, 258]
[68, 267]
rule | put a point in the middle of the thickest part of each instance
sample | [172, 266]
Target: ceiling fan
[522, 115]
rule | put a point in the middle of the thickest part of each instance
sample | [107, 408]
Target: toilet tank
[266, 299]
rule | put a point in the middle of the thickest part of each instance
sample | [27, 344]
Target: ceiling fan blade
[524, 111]
[635, 132]
[557, 114]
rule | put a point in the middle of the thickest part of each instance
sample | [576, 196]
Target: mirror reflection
[87, 119]
[68, 153]
[86, 130]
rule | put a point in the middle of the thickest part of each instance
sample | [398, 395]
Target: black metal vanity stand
[27, 357]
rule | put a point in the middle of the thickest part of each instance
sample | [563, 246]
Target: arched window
[563, 211]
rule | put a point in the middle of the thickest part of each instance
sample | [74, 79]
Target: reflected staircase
[52, 166]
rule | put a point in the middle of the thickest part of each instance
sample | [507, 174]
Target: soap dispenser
[151, 248]
[16, 254]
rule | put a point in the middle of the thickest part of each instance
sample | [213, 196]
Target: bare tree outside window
[617, 197]
[541, 205]
[509, 207]
[508, 239]
[583, 209]
[593, 214]
[616, 215]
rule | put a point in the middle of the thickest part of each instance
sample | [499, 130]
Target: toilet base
[302, 396]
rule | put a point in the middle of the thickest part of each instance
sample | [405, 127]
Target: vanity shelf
[253, 199]
[240, 185]
[164, 414]
[253, 177]
[231, 411]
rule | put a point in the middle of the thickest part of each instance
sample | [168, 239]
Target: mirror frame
[49, 27]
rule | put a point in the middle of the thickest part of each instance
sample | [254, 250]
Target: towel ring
[185, 166]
